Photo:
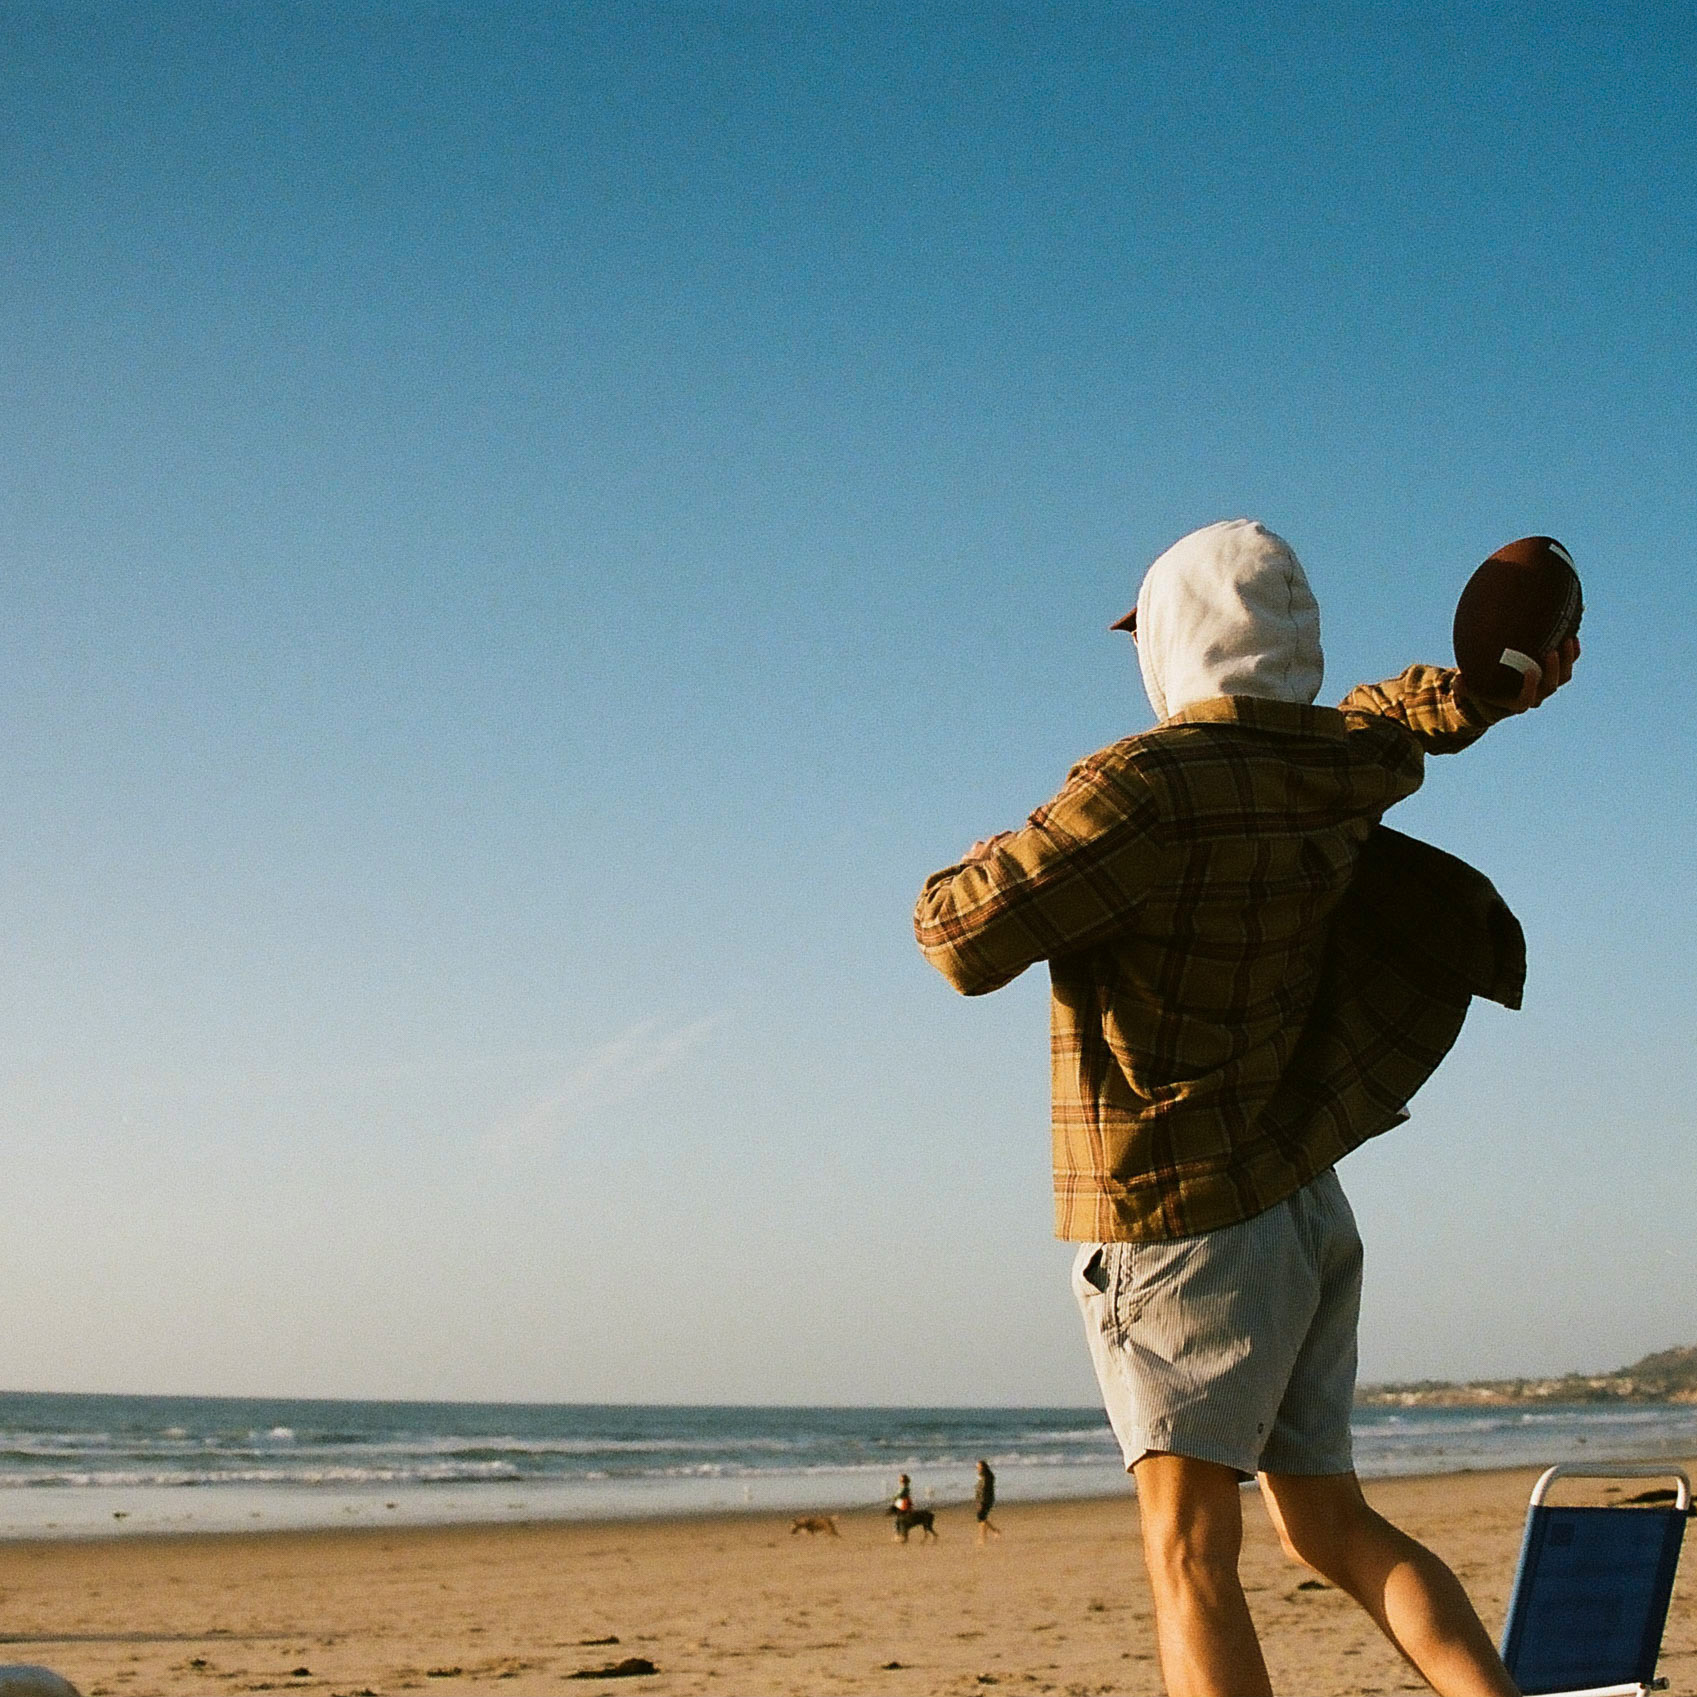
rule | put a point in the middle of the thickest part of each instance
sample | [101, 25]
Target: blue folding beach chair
[1592, 1590]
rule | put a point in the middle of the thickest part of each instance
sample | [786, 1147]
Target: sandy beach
[728, 1604]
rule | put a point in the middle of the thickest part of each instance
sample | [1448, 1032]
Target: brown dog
[811, 1523]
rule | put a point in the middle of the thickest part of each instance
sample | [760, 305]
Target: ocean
[78, 1466]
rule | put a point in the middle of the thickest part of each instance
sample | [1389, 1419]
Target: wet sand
[730, 1604]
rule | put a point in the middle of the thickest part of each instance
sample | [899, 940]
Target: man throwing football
[1251, 976]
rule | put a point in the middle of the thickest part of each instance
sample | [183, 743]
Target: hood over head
[1227, 611]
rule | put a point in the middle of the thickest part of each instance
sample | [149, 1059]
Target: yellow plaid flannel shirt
[1250, 975]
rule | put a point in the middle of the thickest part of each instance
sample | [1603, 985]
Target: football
[1523, 602]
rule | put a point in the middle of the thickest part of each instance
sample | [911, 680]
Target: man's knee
[1192, 1519]
[1324, 1521]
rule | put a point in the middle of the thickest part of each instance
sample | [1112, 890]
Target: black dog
[908, 1518]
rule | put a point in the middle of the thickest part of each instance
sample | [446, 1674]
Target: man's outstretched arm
[1443, 715]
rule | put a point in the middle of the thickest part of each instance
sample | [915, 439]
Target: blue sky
[530, 530]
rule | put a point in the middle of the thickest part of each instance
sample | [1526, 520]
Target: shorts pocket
[1089, 1272]
[1149, 1273]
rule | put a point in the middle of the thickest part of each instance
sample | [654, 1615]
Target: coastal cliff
[1669, 1375]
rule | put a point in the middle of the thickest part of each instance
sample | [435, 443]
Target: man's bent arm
[1429, 702]
[1066, 881]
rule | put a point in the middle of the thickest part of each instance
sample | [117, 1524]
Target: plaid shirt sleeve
[1066, 881]
[1430, 703]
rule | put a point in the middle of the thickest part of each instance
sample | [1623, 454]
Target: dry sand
[727, 1605]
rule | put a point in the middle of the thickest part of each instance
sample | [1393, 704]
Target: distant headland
[1669, 1375]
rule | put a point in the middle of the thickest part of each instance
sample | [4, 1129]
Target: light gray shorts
[1236, 1346]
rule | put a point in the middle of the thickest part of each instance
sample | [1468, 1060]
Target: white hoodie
[1227, 611]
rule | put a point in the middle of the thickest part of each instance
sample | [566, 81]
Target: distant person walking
[983, 1500]
[907, 1516]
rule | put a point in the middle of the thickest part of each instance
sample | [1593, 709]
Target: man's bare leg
[1192, 1517]
[1324, 1521]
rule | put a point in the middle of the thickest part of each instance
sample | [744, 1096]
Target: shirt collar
[1259, 714]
